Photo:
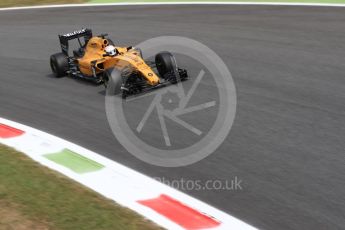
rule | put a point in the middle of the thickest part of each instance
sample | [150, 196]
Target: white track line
[173, 3]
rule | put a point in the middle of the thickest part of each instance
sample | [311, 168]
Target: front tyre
[59, 64]
[166, 65]
[113, 81]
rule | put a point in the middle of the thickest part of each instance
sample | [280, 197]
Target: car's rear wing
[64, 38]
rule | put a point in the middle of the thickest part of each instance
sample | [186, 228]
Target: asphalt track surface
[288, 64]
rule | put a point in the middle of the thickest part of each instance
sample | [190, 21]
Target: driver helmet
[111, 50]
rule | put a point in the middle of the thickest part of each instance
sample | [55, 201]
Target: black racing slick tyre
[166, 65]
[113, 80]
[59, 64]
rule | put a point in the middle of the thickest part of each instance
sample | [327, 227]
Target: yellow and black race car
[97, 57]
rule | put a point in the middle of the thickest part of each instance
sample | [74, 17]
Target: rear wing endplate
[64, 38]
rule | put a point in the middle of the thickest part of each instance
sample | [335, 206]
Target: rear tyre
[59, 64]
[166, 65]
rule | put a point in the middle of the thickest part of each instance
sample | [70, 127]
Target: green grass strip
[10, 3]
[45, 196]
[74, 161]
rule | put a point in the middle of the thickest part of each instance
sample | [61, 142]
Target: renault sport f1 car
[97, 57]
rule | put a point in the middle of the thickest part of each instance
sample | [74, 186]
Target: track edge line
[173, 3]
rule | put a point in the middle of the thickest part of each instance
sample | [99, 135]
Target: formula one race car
[97, 57]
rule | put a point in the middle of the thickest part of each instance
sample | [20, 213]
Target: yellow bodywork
[93, 61]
